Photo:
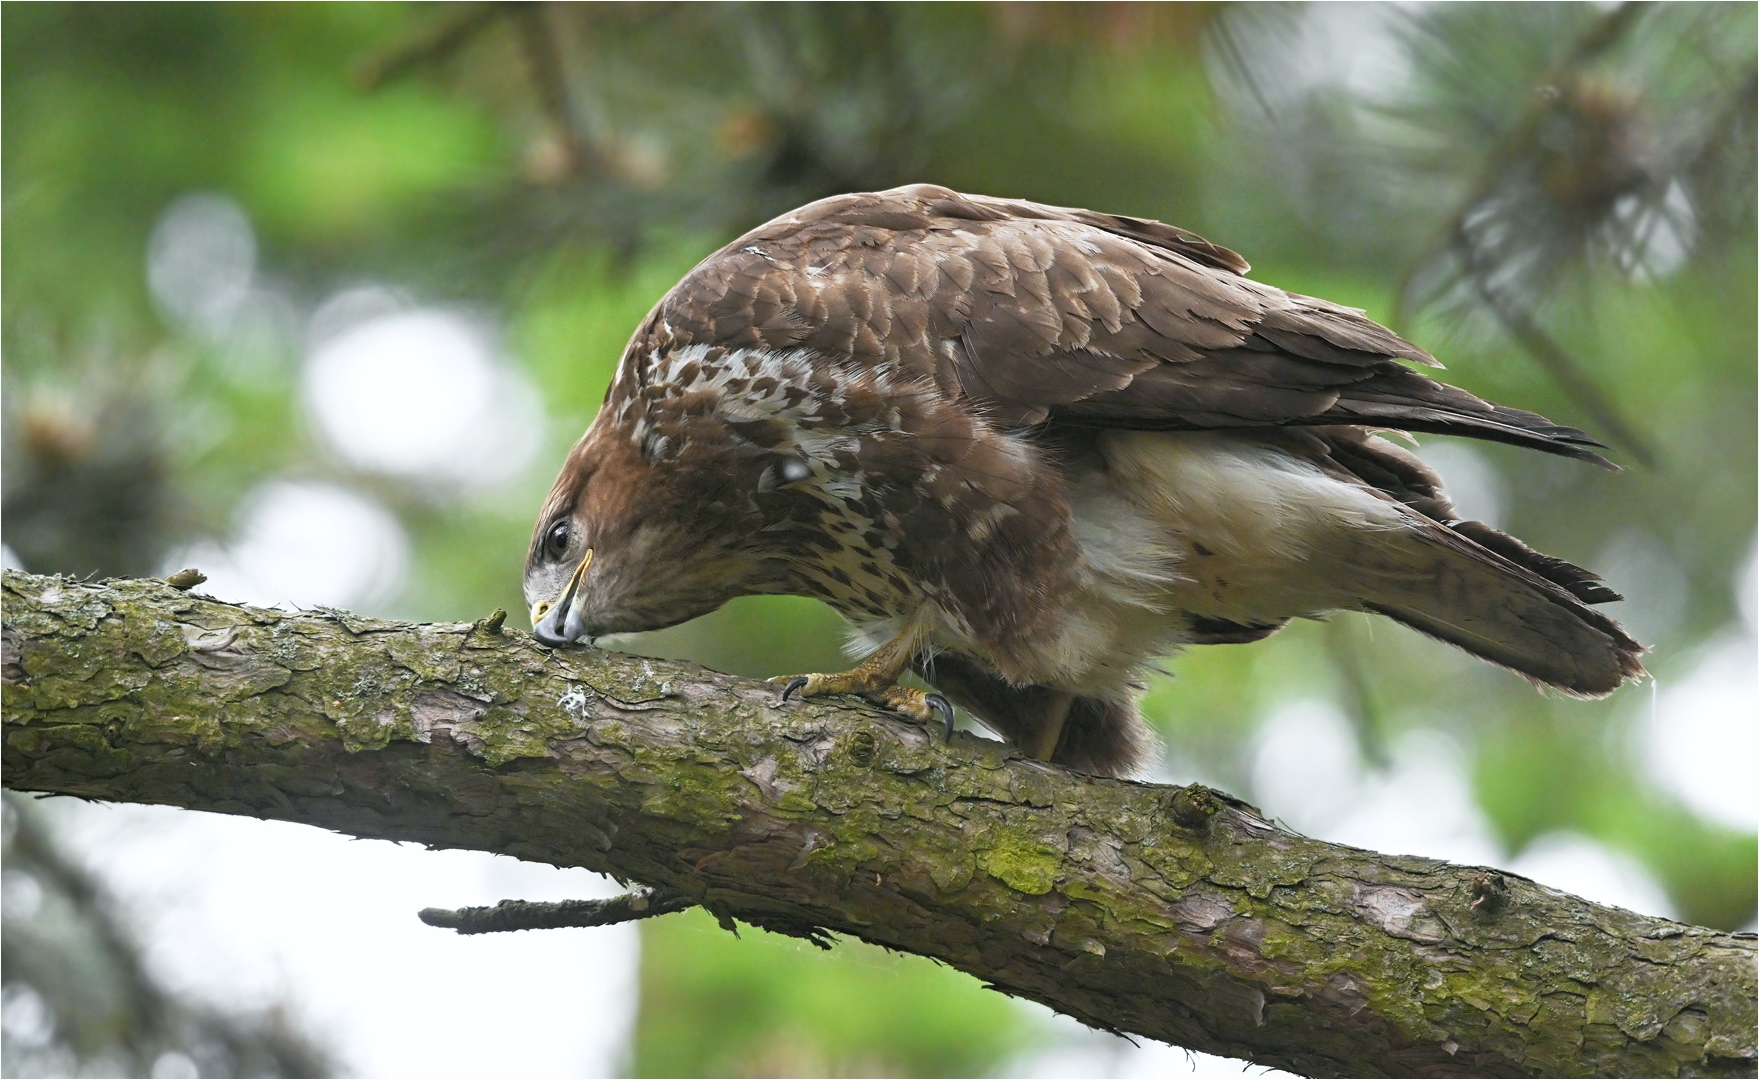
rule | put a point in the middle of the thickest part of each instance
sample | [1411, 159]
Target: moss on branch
[1170, 913]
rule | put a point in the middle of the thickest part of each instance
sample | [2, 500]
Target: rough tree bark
[1138, 908]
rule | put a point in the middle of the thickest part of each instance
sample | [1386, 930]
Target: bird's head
[626, 544]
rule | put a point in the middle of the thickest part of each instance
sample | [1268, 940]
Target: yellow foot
[918, 705]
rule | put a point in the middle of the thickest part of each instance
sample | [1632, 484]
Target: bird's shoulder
[867, 271]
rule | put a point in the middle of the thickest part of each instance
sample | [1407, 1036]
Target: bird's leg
[1049, 739]
[876, 678]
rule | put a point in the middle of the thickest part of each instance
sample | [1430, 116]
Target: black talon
[794, 684]
[937, 703]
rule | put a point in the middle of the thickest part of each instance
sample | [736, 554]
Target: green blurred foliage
[765, 1005]
[455, 175]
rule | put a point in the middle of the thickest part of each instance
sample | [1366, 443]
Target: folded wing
[1043, 314]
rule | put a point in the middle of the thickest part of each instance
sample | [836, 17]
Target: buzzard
[1028, 450]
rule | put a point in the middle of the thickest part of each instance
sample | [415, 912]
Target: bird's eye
[792, 470]
[556, 540]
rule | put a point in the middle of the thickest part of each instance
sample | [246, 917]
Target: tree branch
[433, 42]
[542, 915]
[1166, 912]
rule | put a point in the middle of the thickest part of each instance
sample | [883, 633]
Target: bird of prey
[1027, 451]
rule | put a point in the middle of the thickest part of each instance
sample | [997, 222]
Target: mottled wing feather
[1039, 313]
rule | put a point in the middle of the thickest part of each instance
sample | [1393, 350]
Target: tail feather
[1471, 585]
[1585, 585]
[1500, 600]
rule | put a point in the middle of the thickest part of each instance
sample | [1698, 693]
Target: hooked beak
[559, 623]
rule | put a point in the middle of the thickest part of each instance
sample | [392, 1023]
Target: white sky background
[418, 392]
[243, 913]
[1701, 737]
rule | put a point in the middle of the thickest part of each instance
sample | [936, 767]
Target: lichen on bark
[1176, 914]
